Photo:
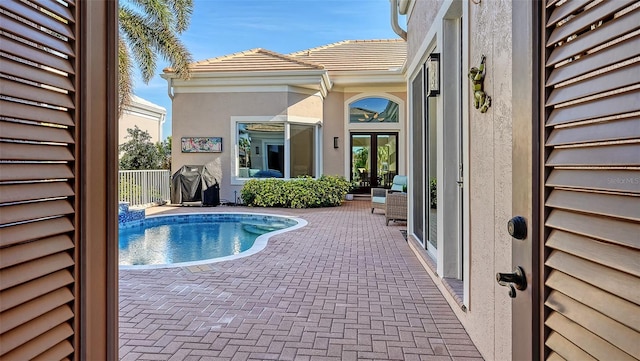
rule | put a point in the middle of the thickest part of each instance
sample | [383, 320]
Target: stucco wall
[488, 317]
[209, 115]
[128, 120]
[333, 126]
[303, 105]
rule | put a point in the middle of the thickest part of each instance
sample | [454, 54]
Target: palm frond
[157, 11]
[182, 10]
[125, 71]
[138, 33]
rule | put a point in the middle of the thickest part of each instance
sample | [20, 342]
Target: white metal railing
[142, 187]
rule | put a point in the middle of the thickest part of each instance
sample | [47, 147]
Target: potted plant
[352, 186]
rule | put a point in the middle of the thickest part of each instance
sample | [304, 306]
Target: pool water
[170, 240]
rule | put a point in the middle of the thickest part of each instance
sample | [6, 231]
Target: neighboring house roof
[136, 101]
[355, 55]
[253, 60]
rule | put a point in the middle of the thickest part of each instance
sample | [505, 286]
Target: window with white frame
[275, 149]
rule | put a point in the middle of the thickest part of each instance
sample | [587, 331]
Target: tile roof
[348, 55]
[253, 60]
[353, 55]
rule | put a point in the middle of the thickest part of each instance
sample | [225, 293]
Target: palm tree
[149, 28]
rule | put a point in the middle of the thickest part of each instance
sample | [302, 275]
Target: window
[373, 110]
[263, 149]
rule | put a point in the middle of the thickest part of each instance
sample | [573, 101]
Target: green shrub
[304, 192]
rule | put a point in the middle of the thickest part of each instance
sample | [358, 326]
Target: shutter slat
[28, 211]
[594, 203]
[41, 344]
[28, 12]
[32, 329]
[57, 352]
[618, 258]
[568, 8]
[21, 151]
[568, 350]
[596, 132]
[605, 57]
[36, 55]
[28, 291]
[27, 32]
[625, 285]
[602, 228]
[607, 155]
[622, 103]
[617, 335]
[33, 73]
[28, 271]
[12, 256]
[35, 230]
[18, 131]
[35, 94]
[33, 309]
[34, 172]
[33, 191]
[586, 19]
[587, 345]
[604, 180]
[554, 356]
[607, 32]
[57, 8]
[619, 78]
[34, 113]
[606, 303]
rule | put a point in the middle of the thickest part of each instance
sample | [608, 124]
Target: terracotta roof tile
[253, 60]
[351, 55]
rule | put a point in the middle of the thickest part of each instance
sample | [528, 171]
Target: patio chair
[379, 195]
[396, 207]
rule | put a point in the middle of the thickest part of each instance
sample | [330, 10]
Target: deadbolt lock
[515, 280]
[517, 227]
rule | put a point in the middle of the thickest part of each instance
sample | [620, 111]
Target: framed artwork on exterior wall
[201, 144]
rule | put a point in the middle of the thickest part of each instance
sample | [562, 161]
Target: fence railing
[143, 187]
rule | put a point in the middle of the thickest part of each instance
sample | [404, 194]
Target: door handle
[515, 280]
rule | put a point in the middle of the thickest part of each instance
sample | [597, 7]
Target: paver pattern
[344, 287]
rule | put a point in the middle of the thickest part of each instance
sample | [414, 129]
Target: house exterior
[338, 109]
[558, 145]
[145, 115]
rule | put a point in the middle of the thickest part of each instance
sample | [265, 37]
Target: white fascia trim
[395, 88]
[355, 78]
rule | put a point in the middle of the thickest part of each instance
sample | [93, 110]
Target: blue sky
[223, 27]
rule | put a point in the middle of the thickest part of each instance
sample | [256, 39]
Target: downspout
[394, 20]
[169, 86]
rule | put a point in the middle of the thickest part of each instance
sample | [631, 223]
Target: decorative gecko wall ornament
[480, 99]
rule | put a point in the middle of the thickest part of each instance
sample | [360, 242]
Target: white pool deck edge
[259, 244]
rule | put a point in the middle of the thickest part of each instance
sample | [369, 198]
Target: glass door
[374, 160]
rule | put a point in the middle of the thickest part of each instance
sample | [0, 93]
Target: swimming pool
[198, 238]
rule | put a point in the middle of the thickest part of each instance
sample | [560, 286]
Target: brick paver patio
[344, 287]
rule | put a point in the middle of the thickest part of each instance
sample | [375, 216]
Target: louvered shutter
[37, 184]
[592, 168]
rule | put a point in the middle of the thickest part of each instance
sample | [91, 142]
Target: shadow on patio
[344, 287]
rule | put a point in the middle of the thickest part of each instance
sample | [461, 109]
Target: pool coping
[259, 244]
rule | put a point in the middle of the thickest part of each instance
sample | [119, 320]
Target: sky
[224, 27]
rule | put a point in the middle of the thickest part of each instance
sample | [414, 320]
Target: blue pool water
[188, 238]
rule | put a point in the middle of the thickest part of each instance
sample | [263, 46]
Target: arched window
[373, 110]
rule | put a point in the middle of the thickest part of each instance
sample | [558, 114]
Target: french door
[374, 160]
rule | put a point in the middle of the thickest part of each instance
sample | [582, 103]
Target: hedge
[304, 192]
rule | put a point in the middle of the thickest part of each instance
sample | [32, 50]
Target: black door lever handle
[515, 280]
